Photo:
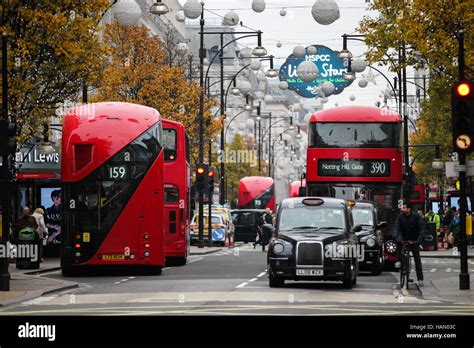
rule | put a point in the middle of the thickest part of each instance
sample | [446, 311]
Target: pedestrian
[268, 216]
[410, 228]
[42, 229]
[421, 213]
[26, 222]
[260, 221]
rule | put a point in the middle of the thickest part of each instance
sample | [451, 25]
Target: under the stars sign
[330, 68]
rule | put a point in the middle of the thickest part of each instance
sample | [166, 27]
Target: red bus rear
[112, 187]
[295, 187]
[256, 192]
[177, 192]
[354, 152]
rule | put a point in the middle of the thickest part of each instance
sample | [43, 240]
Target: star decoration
[370, 77]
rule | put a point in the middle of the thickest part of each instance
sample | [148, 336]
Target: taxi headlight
[370, 242]
[278, 248]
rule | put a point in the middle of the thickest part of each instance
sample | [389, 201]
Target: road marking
[253, 279]
[261, 274]
[433, 270]
[39, 300]
[117, 282]
[241, 285]
[48, 273]
[201, 258]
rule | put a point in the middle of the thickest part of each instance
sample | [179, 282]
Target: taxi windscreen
[312, 218]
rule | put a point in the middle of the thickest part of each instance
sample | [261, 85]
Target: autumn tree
[138, 71]
[53, 50]
[429, 31]
[240, 161]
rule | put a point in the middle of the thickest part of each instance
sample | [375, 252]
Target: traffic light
[201, 177]
[7, 137]
[210, 175]
[462, 105]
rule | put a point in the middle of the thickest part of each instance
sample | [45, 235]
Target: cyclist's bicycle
[405, 265]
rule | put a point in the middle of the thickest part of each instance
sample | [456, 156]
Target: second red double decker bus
[177, 192]
[256, 192]
[112, 188]
[354, 152]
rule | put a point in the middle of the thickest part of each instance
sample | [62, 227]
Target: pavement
[447, 253]
[28, 284]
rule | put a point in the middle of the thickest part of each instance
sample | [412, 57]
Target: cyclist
[410, 228]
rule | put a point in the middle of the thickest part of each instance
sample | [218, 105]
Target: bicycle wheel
[402, 275]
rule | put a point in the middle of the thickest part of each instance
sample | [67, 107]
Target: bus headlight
[278, 248]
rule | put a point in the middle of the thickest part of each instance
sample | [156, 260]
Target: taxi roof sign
[312, 201]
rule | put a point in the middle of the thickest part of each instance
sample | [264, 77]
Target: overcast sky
[299, 27]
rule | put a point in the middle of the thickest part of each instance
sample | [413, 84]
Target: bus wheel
[69, 272]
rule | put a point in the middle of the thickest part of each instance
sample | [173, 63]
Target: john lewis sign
[330, 67]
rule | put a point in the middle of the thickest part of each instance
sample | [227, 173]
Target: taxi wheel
[347, 282]
[275, 282]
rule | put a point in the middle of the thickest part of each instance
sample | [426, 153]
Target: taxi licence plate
[309, 272]
[113, 257]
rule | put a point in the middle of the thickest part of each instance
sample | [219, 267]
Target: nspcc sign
[330, 68]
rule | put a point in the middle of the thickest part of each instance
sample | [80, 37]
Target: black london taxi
[246, 222]
[314, 239]
[364, 213]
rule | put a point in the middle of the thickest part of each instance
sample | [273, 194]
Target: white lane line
[241, 285]
[117, 282]
[261, 274]
[131, 277]
[253, 279]
[201, 258]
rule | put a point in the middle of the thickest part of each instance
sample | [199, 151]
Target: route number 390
[377, 168]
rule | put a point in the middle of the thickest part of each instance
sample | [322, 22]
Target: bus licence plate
[113, 257]
[309, 272]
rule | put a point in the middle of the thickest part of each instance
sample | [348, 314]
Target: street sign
[453, 169]
[460, 168]
[218, 234]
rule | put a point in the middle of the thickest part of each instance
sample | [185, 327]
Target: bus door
[174, 214]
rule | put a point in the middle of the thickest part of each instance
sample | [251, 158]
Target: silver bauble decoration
[283, 12]
[299, 51]
[307, 71]
[358, 65]
[279, 44]
[127, 12]
[231, 19]
[311, 50]
[255, 65]
[180, 17]
[244, 87]
[283, 85]
[363, 83]
[192, 9]
[258, 5]
[352, 98]
[325, 12]
[327, 88]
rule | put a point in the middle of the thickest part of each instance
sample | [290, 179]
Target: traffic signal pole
[464, 282]
[5, 175]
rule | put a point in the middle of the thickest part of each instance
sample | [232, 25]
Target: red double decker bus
[256, 192]
[295, 187]
[112, 188]
[354, 152]
[177, 192]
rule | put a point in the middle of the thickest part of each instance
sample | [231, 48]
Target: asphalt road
[234, 282]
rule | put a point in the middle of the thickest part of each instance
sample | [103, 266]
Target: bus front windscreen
[355, 135]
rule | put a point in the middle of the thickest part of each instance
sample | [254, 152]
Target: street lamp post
[202, 55]
[5, 175]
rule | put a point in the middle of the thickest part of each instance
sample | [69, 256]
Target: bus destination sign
[354, 168]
